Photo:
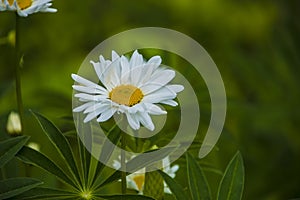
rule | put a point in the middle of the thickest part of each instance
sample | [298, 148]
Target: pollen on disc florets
[126, 95]
[23, 4]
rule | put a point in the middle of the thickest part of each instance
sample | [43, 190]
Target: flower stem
[18, 73]
[123, 165]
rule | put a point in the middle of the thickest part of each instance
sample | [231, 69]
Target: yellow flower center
[126, 95]
[139, 181]
[23, 4]
[10, 2]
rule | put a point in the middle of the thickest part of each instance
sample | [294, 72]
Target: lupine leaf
[14, 186]
[176, 189]
[107, 150]
[10, 147]
[60, 142]
[38, 159]
[198, 185]
[44, 193]
[154, 185]
[232, 183]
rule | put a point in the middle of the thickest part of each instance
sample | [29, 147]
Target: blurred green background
[255, 45]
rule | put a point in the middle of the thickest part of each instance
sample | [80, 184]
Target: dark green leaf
[38, 159]
[9, 148]
[198, 185]
[107, 150]
[14, 186]
[44, 193]
[127, 197]
[60, 142]
[232, 183]
[154, 185]
[176, 189]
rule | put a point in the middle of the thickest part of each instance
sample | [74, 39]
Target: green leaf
[9, 148]
[126, 197]
[44, 193]
[232, 183]
[176, 189]
[198, 185]
[14, 186]
[60, 142]
[38, 159]
[154, 185]
[107, 150]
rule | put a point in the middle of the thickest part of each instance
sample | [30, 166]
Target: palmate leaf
[44, 193]
[232, 183]
[38, 159]
[9, 148]
[14, 186]
[106, 152]
[60, 142]
[176, 189]
[198, 184]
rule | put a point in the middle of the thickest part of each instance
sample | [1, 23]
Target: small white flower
[14, 124]
[136, 180]
[130, 86]
[27, 7]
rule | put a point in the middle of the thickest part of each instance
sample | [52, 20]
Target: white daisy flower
[130, 86]
[27, 7]
[136, 180]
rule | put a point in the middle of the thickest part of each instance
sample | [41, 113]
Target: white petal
[90, 97]
[106, 114]
[85, 82]
[114, 55]
[102, 59]
[90, 90]
[136, 108]
[91, 116]
[112, 75]
[133, 122]
[159, 95]
[163, 77]
[136, 60]
[83, 106]
[97, 106]
[154, 109]
[174, 168]
[125, 79]
[146, 120]
[175, 88]
[170, 102]
[136, 75]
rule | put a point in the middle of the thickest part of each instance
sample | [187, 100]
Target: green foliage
[10, 147]
[199, 187]
[154, 185]
[38, 159]
[60, 142]
[85, 189]
[232, 184]
[176, 189]
[14, 186]
[230, 187]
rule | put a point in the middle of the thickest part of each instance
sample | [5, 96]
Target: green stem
[123, 165]
[18, 73]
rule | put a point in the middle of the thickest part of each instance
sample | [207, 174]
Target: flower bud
[13, 126]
